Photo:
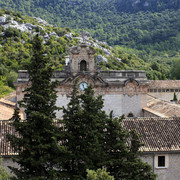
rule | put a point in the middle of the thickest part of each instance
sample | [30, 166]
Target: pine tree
[122, 153]
[37, 143]
[94, 140]
[115, 147]
[83, 122]
[135, 168]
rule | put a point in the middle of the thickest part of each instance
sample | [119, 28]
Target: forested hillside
[148, 25]
[16, 32]
[145, 35]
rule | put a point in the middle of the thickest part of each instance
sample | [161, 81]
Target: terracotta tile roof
[154, 113]
[7, 109]
[157, 134]
[6, 112]
[166, 109]
[164, 84]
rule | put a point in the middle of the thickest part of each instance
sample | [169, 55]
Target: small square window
[161, 161]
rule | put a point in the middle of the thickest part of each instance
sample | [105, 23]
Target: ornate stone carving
[130, 89]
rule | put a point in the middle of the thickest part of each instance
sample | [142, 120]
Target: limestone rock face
[41, 21]
[69, 35]
[2, 19]
[100, 58]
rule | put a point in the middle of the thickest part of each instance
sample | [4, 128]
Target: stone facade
[124, 92]
[172, 169]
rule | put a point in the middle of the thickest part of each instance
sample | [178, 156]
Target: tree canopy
[37, 140]
[94, 140]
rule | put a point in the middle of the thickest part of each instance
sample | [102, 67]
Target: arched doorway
[83, 65]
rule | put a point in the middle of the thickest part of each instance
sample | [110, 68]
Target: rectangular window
[161, 161]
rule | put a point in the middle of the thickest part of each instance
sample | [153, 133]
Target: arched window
[83, 65]
[130, 115]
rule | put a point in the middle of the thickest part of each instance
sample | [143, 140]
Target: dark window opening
[83, 65]
[161, 161]
[130, 115]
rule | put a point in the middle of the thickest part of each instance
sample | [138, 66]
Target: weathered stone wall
[62, 100]
[124, 104]
[171, 172]
[119, 103]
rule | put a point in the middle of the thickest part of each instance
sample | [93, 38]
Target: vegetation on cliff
[17, 31]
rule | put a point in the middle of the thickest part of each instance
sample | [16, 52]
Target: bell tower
[81, 59]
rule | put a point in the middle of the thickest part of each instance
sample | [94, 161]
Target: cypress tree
[83, 121]
[175, 97]
[122, 152]
[94, 140]
[37, 143]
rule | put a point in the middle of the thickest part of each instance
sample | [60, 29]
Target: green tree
[83, 120]
[100, 174]
[136, 169]
[37, 143]
[175, 71]
[94, 140]
[122, 159]
[175, 97]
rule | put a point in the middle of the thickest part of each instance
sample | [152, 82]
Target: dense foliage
[159, 63]
[15, 47]
[100, 174]
[144, 25]
[37, 143]
[93, 140]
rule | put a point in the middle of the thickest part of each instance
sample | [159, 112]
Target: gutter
[153, 161]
